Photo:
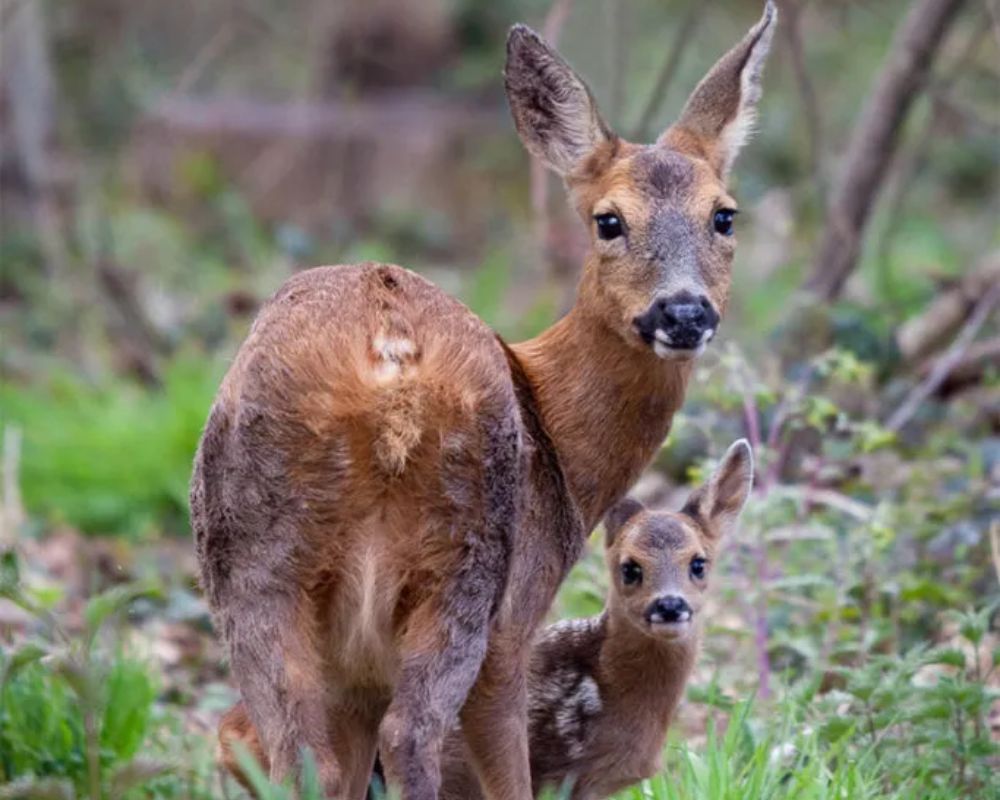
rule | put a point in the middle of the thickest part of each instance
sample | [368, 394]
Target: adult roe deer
[386, 495]
[602, 690]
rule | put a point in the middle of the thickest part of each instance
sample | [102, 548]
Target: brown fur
[602, 690]
[386, 496]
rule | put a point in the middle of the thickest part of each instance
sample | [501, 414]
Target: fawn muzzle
[681, 324]
[669, 610]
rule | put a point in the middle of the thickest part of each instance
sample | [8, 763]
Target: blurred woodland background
[166, 166]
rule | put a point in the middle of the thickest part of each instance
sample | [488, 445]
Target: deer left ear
[616, 519]
[718, 503]
[719, 114]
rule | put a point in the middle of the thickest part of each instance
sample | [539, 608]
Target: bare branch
[552, 28]
[791, 12]
[922, 335]
[874, 140]
[827, 497]
[12, 516]
[675, 53]
[995, 547]
[617, 56]
[913, 159]
[947, 362]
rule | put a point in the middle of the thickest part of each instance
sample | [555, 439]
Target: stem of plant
[760, 627]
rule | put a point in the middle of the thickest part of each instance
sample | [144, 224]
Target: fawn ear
[624, 510]
[553, 110]
[719, 114]
[718, 503]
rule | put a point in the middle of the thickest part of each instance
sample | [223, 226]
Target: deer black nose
[686, 313]
[670, 608]
[688, 321]
[682, 322]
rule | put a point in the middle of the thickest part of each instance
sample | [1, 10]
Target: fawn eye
[631, 573]
[609, 226]
[723, 221]
[698, 567]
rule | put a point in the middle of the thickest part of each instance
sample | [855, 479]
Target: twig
[946, 363]
[555, 20]
[208, 53]
[13, 510]
[668, 71]
[993, 8]
[554, 23]
[791, 10]
[617, 55]
[995, 547]
[761, 631]
[829, 498]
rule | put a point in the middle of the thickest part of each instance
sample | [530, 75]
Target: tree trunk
[874, 140]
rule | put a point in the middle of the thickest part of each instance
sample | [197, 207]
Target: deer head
[660, 217]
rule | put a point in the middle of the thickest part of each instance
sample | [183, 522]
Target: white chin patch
[663, 348]
[675, 630]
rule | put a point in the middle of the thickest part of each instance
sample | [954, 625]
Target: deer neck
[606, 404]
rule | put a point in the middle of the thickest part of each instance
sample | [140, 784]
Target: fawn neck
[646, 673]
[606, 405]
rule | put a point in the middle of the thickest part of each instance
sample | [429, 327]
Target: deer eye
[631, 573]
[723, 221]
[609, 226]
[698, 567]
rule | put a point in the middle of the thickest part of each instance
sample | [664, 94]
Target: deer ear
[718, 503]
[616, 519]
[553, 110]
[719, 114]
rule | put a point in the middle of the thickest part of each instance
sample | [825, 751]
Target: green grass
[114, 458]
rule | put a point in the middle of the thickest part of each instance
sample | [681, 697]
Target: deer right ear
[623, 511]
[554, 112]
[719, 502]
[719, 114]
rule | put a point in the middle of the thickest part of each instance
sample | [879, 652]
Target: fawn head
[660, 560]
[659, 215]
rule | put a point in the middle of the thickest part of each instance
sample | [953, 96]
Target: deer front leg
[495, 722]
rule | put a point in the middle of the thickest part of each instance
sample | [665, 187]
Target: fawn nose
[681, 321]
[670, 608]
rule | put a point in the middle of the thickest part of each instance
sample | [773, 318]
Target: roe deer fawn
[602, 690]
[386, 495]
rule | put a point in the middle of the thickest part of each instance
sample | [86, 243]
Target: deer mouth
[667, 346]
[671, 630]
[679, 326]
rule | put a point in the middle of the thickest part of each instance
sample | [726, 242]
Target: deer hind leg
[280, 674]
[354, 727]
[440, 659]
[446, 636]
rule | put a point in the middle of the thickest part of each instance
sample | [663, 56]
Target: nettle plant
[78, 717]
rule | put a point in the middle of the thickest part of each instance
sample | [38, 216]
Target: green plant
[77, 714]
